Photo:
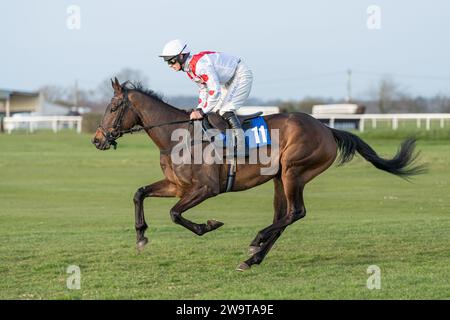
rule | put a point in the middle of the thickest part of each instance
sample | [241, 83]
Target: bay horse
[307, 147]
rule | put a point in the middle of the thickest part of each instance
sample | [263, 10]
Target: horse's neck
[154, 112]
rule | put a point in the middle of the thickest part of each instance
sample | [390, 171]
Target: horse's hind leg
[293, 190]
[258, 256]
[161, 188]
[280, 209]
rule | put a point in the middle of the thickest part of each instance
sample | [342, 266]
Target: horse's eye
[114, 106]
[115, 103]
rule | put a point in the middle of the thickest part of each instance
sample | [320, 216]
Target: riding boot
[238, 135]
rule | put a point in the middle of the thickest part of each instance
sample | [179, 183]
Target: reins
[132, 130]
[111, 136]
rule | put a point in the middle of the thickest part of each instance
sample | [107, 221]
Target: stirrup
[233, 151]
[237, 131]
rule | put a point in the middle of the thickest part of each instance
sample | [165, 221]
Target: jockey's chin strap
[112, 135]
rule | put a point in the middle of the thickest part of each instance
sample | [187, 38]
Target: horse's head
[119, 116]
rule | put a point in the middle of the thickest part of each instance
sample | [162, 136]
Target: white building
[30, 102]
[266, 110]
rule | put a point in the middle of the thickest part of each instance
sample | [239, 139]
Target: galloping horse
[306, 148]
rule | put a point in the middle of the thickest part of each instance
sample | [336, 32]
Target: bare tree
[304, 105]
[57, 94]
[407, 103]
[441, 103]
[385, 94]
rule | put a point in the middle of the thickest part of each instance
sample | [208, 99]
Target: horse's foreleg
[188, 201]
[161, 188]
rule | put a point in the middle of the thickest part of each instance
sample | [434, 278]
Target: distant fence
[360, 120]
[32, 123]
[345, 121]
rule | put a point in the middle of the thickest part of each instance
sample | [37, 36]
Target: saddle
[215, 121]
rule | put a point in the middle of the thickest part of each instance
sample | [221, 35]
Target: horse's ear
[116, 86]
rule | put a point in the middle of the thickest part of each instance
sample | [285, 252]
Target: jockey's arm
[202, 97]
[209, 90]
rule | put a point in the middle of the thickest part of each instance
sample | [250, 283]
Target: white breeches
[236, 91]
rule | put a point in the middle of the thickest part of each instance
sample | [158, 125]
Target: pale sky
[295, 48]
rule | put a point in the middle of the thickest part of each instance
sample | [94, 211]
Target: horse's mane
[129, 85]
[140, 88]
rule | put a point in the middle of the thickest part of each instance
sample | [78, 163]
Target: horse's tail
[402, 164]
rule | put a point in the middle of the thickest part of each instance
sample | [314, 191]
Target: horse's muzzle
[104, 141]
[101, 142]
[101, 145]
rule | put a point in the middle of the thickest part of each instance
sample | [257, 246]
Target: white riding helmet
[174, 48]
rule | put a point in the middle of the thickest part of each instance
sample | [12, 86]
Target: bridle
[116, 132]
[112, 135]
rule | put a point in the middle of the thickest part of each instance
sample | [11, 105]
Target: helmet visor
[168, 58]
[172, 61]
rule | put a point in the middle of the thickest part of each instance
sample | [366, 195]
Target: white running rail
[394, 118]
[32, 123]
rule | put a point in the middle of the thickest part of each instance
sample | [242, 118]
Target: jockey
[224, 82]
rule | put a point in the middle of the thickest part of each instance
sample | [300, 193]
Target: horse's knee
[175, 216]
[139, 195]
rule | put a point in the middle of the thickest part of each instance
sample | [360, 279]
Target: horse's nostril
[96, 142]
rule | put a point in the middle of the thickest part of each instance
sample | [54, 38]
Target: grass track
[62, 202]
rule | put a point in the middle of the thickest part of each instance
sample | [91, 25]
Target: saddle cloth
[254, 126]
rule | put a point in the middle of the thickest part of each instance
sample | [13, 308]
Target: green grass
[62, 202]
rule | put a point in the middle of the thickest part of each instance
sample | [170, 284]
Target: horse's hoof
[252, 250]
[140, 245]
[242, 267]
[213, 224]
